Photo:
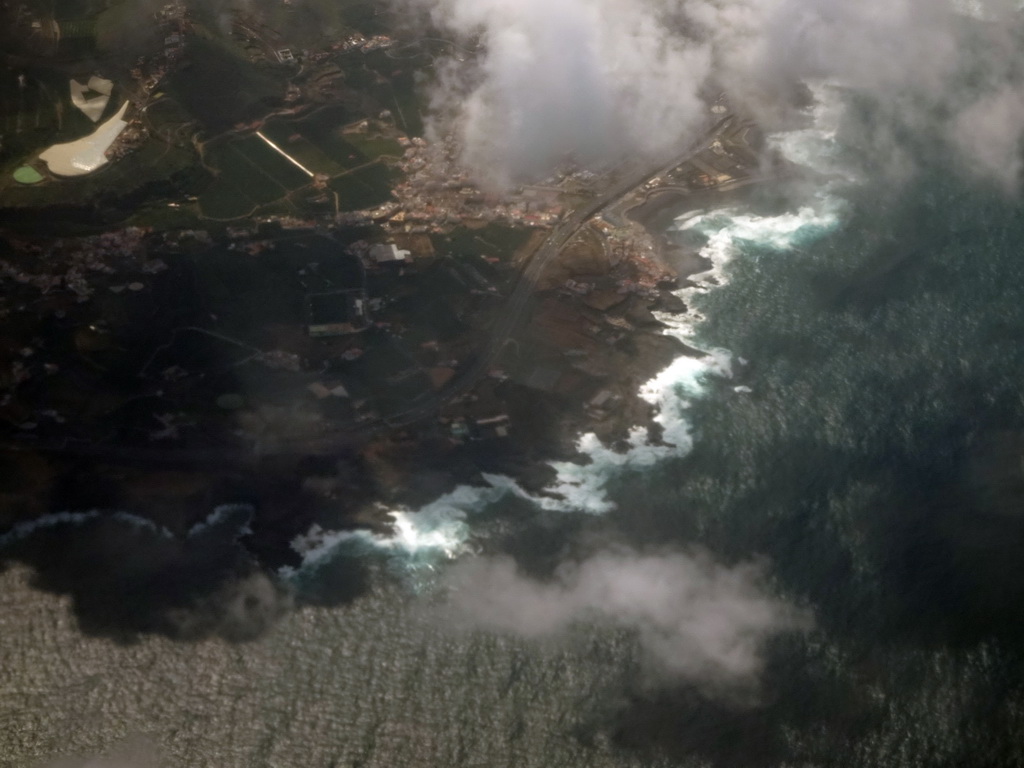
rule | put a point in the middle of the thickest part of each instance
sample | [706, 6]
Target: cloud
[695, 619]
[603, 80]
[988, 133]
[587, 78]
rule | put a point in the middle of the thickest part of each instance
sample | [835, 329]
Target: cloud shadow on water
[127, 577]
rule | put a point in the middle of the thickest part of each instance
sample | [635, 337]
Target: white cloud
[607, 79]
[695, 618]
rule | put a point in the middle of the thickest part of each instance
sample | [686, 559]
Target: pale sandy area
[91, 107]
[77, 158]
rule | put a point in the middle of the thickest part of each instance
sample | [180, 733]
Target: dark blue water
[879, 463]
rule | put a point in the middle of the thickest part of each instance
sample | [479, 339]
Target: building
[388, 253]
[337, 313]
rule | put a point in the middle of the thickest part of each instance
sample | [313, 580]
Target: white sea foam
[25, 530]
[223, 514]
[583, 487]
[138, 522]
[728, 230]
[434, 532]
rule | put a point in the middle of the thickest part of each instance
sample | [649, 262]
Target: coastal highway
[351, 433]
[511, 314]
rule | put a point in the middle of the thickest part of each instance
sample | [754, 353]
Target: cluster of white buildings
[360, 42]
[437, 194]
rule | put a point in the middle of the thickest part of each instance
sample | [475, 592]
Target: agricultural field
[323, 134]
[248, 174]
[392, 84]
[169, 120]
[77, 38]
[493, 240]
[325, 129]
[363, 188]
[288, 135]
[375, 147]
[77, 29]
[125, 29]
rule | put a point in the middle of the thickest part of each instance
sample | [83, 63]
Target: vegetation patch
[363, 188]
[218, 88]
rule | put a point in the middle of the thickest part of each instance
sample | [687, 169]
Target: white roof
[388, 252]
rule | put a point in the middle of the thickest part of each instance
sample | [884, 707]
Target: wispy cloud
[607, 79]
[696, 619]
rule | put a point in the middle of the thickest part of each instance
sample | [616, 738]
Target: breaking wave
[418, 539]
[238, 515]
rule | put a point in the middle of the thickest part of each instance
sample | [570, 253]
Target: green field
[324, 129]
[252, 165]
[320, 137]
[223, 201]
[492, 240]
[288, 136]
[77, 28]
[249, 174]
[375, 147]
[364, 188]
[169, 120]
[392, 84]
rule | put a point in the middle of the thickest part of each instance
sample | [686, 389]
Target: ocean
[856, 428]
